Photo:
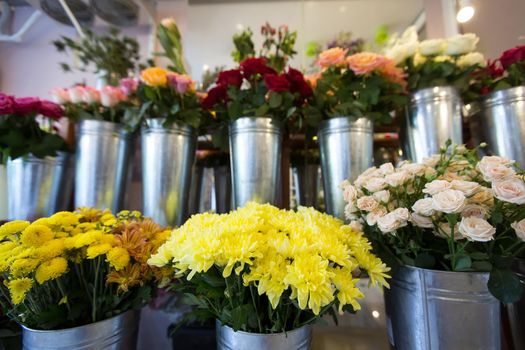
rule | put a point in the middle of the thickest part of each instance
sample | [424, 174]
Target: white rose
[471, 59]
[495, 172]
[449, 201]
[390, 223]
[402, 214]
[367, 203]
[372, 171]
[414, 169]
[375, 184]
[382, 196]
[76, 94]
[444, 231]
[510, 190]
[432, 160]
[401, 52]
[387, 168]
[519, 228]
[424, 206]
[421, 221]
[350, 211]
[397, 178]
[371, 218]
[349, 192]
[436, 186]
[356, 226]
[418, 59]
[476, 210]
[467, 187]
[461, 44]
[431, 47]
[476, 229]
[443, 58]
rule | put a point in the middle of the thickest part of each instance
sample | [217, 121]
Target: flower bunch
[452, 212]
[169, 95]
[436, 62]
[111, 103]
[363, 84]
[74, 268]
[23, 132]
[265, 270]
[508, 70]
[256, 89]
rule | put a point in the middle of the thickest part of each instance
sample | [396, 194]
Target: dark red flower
[26, 105]
[231, 77]
[511, 56]
[277, 83]
[7, 104]
[51, 110]
[215, 95]
[253, 66]
[485, 90]
[298, 83]
[495, 69]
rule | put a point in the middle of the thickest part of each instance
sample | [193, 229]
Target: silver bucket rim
[306, 327]
[95, 126]
[346, 123]
[156, 125]
[456, 273]
[59, 159]
[434, 93]
[255, 124]
[505, 96]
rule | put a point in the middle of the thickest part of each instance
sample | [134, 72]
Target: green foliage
[514, 76]
[244, 47]
[170, 39]
[209, 77]
[115, 55]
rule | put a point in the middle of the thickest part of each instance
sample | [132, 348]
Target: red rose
[513, 55]
[485, 90]
[51, 110]
[231, 77]
[26, 105]
[215, 95]
[495, 69]
[253, 66]
[277, 83]
[7, 104]
[298, 83]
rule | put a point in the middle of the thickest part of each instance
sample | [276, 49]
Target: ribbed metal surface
[306, 177]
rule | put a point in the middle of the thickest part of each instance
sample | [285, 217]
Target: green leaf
[262, 110]
[463, 263]
[505, 285]
[425, 260]
[275, 100]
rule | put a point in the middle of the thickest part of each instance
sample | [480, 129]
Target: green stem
[94, 306]
[255, 308]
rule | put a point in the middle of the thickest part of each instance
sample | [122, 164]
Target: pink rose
[7, 104]
[111, 96]
[51, 110]
[90, 95]
[129, 85]
[180, 82]
[76, 94]
[60, 96]
[26, 105]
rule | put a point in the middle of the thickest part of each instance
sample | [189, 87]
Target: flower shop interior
[262, 174]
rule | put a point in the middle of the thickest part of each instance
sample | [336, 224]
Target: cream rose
[421, 221]
[471, 59]
[375, 184]
[476, 210]
[497, 172]
[467, 187]
[436, 186]
[349, 192]
[382, 196]
[461, 44]
[476, 229]
[449, 201]
[519, 228]
[402, 214]
[351, 211]
[387, 168]
[424, 206]
[371, 218]
[401, 52]
[367, 203]
[444, 231]
[432, 160]
[510, 190]
[398, 178]
[390, 223]
[431, 47]
[414, 169]
[356, 226]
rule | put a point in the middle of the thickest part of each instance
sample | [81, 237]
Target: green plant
[169, 37]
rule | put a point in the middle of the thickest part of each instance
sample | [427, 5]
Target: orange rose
[154, 76]
[394, 74]
[365, 62]
[312, 79]
[332, 57]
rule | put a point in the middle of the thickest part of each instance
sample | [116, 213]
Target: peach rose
[394, 74]
[332, 57]
[60, 96]
[436, 186]
[365, 62]
[467, 187]
[76, 94]
[312, 79]
[371, 218]
[154, 76]
[367, 203]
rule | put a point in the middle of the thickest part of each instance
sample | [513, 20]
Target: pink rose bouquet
[452, 212]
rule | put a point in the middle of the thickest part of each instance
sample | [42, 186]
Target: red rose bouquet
[509, 69]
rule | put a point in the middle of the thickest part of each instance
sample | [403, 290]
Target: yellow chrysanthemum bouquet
[75, 268]
[264, 270]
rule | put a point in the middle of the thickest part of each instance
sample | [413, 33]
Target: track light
[466, 11]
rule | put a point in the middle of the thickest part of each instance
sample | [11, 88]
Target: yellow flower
[108, 219]
[18, 289]
[90, 214]
[347, 292]
[23, 267]
[64, 218]
[154, 76]
[36, 235]
[50, 250]
[118, 258]
[12, 227]
[83, 239]
[97, 249]
[51, 269]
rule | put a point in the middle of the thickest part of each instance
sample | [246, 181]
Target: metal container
[433, 117]
[102, 164]
[255, 154]
[3, 192]
[502, 123]
[431, 310]
[36, 186]
[168, 155]
[116, 333]
[516, 311]
[228, 339]
[305, 178]
[346, 146]
[223, 189]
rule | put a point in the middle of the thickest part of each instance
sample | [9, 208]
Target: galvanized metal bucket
[168, 155]
[102, 164]
[3, 192]
[223, 189]
[516, 311]
[116, 333]
[346, 145]
[36, 186]
[255, 153]
[502, 123]
[228, 339]
[431, 310]
[305, 178]
[432, 117]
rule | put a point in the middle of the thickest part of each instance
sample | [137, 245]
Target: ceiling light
[466, 11]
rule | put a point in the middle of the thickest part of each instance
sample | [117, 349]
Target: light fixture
[466, 11]
[375, 314]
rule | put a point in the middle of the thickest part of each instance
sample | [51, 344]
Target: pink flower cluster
[108, 96]
[180, 82]
[29, 105]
